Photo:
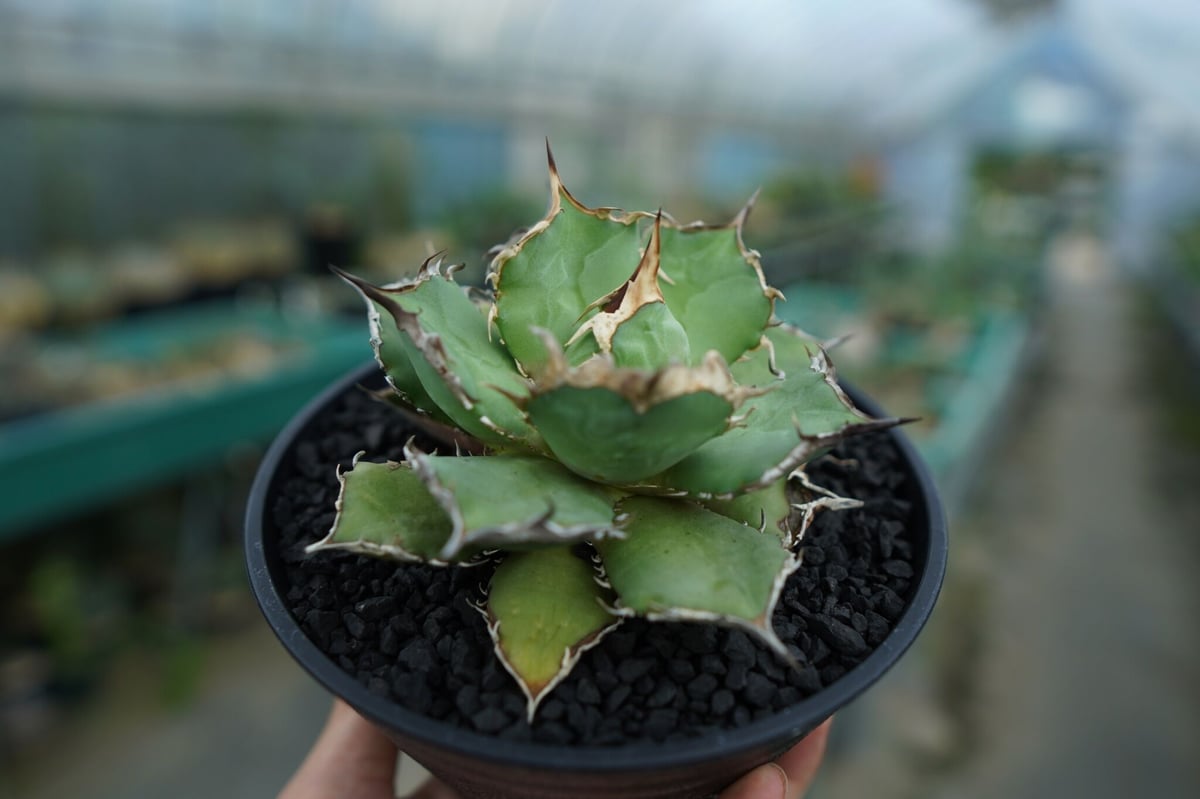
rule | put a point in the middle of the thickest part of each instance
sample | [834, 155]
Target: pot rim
[784, 726]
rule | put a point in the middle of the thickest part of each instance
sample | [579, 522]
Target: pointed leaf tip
[383, 510]
[646, 419]
[802, 415]
[683, 562]
[743, 214]
[545, 609]
[439, 349]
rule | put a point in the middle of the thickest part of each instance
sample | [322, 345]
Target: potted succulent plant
[597, 467]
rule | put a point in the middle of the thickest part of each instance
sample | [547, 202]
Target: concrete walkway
[1063, 655]
[1091, 522]
[249, 724]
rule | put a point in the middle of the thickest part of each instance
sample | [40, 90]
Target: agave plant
[629, 396]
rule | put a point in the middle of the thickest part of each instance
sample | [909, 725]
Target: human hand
[353, 760]
[790, 776]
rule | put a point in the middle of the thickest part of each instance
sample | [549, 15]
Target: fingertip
[802, 760]
[782, 776]
[768, 781]
[350, 758]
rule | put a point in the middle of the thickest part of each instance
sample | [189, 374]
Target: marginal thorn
[739, 221]
[836, 341]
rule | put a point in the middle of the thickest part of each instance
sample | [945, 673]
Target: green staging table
[61, 462]
[968, 391]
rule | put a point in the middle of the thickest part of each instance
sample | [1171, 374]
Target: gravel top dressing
[412, 632]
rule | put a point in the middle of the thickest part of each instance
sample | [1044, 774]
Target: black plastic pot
[482, 767]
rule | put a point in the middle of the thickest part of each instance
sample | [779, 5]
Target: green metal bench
[63, 462]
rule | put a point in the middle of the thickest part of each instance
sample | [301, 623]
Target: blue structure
[1042, 92]
[1046, 88]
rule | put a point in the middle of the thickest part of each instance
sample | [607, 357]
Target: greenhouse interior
[987, 210]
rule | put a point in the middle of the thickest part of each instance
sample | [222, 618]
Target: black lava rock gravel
[410, 631]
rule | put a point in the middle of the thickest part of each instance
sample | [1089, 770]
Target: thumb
[768, 781]
[788, 778]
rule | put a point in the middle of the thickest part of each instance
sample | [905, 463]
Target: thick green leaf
[651, 339]
[767, 508]
[787, 350]
[680, 561]
[619, 425]
[469, 376]
[599, 433]
[800, 417]
[510, 501]
[385, 510]
[552, 275]
[715, 288]
[633, 324]
[392, 354]
[544, 609]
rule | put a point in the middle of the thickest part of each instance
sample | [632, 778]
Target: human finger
[801, 762]
[768, 781]
[351, 758]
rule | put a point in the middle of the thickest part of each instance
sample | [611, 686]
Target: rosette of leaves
[630, 396]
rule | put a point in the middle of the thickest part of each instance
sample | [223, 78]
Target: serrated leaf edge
[363, 547]
[428, 344]
[430, 267]
[822, 499]
[559, 193]
[820, 363]
[760, 627]
[642, 388]
[803, 452]
[639, 291]
[809, 445]
[538, 530]
[752, 257]
[570, 657]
